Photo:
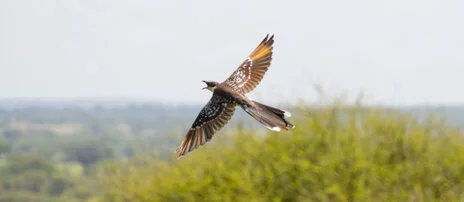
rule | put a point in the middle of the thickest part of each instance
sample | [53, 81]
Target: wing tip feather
[263, 49]
[199, 135]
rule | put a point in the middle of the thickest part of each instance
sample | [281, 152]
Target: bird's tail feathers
[271, 117]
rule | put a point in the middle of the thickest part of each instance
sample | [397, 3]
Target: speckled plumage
[230, 93]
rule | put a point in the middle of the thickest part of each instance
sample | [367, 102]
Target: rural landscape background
[96, 95]
[124, 151]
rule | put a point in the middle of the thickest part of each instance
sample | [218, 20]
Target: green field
[335, 153]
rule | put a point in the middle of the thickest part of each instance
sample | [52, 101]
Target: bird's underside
[231, 93]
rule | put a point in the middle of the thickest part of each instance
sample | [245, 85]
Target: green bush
[340, 153]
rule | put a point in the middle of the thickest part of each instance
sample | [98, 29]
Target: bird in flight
[231, 93]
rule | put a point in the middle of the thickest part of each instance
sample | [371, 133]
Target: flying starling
[230, 93]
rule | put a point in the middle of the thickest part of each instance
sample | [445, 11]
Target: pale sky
[397, 52]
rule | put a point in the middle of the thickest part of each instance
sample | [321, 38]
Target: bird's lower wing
[214, 115]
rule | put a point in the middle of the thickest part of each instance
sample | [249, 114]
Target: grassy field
[337, 153]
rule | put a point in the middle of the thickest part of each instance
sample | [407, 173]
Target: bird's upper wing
[252, 70]
[214, 115]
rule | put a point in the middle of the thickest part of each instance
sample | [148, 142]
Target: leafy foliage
[341, 153]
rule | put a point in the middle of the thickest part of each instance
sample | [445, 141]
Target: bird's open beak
[204, 87]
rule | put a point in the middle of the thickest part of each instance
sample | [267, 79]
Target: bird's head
[210, 85]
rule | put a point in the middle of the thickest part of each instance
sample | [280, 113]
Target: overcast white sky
[396, 51]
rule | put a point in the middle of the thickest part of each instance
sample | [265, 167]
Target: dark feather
[214, 115]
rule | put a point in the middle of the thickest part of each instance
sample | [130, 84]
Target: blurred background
[95, 96]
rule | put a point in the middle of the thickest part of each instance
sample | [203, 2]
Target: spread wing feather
[248, 75]
[214, 115]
